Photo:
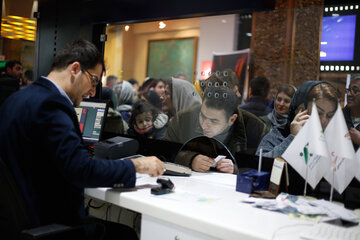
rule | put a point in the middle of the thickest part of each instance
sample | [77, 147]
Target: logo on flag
[308, 153]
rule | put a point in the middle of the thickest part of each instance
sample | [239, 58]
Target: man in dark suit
[41, 142]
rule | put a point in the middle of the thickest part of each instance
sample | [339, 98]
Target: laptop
[92, 114]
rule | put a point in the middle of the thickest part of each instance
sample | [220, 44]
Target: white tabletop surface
[207, 203]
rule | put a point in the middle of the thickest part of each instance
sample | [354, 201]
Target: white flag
[357, 158]
[309, 150]
[341, 151]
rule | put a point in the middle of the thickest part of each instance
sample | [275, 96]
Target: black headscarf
[300, 97]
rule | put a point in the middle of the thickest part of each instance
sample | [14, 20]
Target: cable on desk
[107, 213]
[288, 226]
[95, 207]
[119, 216]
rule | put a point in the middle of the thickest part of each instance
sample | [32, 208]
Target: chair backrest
[13, 214]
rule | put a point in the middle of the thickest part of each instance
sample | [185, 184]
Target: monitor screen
[91, 116]
[338, 38]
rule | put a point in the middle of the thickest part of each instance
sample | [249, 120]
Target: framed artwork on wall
[168, 57]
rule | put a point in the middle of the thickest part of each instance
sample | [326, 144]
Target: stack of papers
[288, 204]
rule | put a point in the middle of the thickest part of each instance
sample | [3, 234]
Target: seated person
[111, 81]
[352, 111]
[114, 123]
[125, 98]
[278, 116]
[276, 142]
[218, 117]
[53, 167]
[147, 121]
[179, 95]
[258, 91]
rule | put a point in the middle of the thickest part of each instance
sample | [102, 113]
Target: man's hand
[298, 122]
[355, 136]
[202, 163]
[225, 165]
[149, 165]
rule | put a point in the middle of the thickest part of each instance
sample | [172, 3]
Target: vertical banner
[238, 61]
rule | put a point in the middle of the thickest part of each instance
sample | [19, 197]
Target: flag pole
[306, 177]
[332, 185]
[333, 179]
[306, 156]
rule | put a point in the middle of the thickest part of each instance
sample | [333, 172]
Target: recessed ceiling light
[162, 25]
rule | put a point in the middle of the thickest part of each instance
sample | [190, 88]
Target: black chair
[15, 222]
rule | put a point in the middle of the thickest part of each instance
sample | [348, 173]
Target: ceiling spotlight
[127, 27]
[162, 25]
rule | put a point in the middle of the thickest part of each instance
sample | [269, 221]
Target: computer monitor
[92, 115]
[340, 34]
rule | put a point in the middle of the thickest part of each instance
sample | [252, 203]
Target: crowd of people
[41, 121]
[175, 110]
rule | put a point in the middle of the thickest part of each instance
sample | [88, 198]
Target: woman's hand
[298, 122]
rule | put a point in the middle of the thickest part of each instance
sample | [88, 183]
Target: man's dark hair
[82, 51]
[260, 86]
[110, 78]
[355, 77]
[12, 63]
[133, 81]
[221, 98]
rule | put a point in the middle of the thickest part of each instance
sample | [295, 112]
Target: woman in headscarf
[278, 116]
[125, 97]
[326, 96]
[114, 123]
[179, 95]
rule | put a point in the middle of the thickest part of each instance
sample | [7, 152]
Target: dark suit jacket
[41, 142]
[349, 123]
[8, 85]
[257, 105]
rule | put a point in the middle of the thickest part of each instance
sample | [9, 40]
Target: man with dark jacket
[258, 91]
[40, 140]
[217, 117]
[10, 81]
[352, 111]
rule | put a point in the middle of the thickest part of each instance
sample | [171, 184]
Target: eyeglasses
[353, 91]
[93, 78]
